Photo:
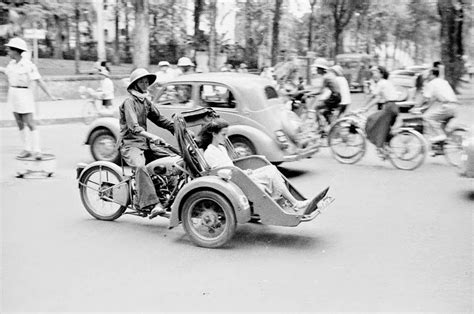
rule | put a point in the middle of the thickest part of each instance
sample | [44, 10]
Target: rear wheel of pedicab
[452, 147]
[99, 187]
[407, 149]
[208, 219]
[347, 142]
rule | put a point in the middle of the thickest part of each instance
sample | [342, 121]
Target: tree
[451, 36]
[141, 40]
[198, 35]
[212, 35]
[276, 31]
[312, 3]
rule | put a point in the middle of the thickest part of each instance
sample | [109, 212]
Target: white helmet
[321, 63]
[163, 64]
[17, 43]
[185, 62]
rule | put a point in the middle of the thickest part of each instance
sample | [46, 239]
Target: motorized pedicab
[208, 202]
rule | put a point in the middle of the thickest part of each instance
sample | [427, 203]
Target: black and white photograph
[230, 156]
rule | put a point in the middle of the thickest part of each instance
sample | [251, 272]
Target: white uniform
[20, 92]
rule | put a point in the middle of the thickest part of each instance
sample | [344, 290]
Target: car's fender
[108, 123]
[262, 142]
[227, 189]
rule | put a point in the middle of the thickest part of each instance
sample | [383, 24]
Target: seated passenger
[212, 139]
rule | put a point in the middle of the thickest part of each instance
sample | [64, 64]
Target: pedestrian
[106, 90]
[379, 124]
[343, 88]
[185, 65]
[438, 90]
[21, 72]
[135, 141]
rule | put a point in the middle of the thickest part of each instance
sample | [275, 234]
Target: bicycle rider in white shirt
[438, 90]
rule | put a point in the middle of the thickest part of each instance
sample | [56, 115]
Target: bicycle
[450, 148]
[406, 149]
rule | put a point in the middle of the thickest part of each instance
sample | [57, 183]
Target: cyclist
[438, 90]
[330, 94]
[343, 87]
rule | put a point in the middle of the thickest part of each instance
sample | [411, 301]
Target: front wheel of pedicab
[208, 219]
[99, 186]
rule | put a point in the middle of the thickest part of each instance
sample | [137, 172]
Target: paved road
[392, 241]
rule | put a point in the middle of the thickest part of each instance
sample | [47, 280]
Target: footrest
[313, 205]
[323, 204]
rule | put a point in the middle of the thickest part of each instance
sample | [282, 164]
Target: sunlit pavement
[392, 241]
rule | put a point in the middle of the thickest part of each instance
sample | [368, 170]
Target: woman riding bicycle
[379, 123]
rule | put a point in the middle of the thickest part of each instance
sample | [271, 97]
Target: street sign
[31, 33]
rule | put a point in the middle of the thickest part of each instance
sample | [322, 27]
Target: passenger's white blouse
[107, 89]
[440, 90]
[217, 156]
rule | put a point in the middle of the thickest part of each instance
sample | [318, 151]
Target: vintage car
[467, 157]
[256, 113]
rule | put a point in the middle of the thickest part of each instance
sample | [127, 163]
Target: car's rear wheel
[103, 146]
[208, 219]
[243, 147]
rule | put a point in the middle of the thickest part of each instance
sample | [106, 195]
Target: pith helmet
[141, 73]
[321, 63]
[185, 61]
[17, 43]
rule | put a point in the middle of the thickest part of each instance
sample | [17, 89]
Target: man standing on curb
[20, 73]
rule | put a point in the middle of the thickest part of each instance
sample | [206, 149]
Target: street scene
[210, 161]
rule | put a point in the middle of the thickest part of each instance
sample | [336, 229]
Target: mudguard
[229, 190]
[120, 191]
[108, 123]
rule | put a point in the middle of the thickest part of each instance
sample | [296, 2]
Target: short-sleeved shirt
[217, 156]
[386, 91]
[440, 90]
[329, 81]
[344, 90]
[134, 113]
[21, 73]
[107, 88]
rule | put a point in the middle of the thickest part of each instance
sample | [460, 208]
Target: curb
[12, 123]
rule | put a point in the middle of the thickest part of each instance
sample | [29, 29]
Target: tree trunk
[141, 40]
[198, 8]
[451, 37]
[337, 41]
[212, 35]
[248, 31]
[116, 56]
[127, 32]
[310, 26]
[77, 48]
[276, 32]
[58, 47]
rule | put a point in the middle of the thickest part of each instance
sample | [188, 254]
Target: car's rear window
[270, 92]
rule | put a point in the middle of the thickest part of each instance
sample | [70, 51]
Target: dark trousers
[138, 158]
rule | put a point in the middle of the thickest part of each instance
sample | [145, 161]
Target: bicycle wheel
[407, 149]
[89, 112]
[347, 141]
[103, 192]
[452, 147]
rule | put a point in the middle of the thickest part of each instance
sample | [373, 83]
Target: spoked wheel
[242, 146]
[407, 150]
[347, 142]
[452, 147]
[101, 187]
[208, 219]
[89, 112]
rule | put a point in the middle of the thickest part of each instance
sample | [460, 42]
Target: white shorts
[21, 100]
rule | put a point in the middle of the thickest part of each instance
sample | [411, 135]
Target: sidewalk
[52, 112]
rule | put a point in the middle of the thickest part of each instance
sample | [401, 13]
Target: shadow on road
[469, 195]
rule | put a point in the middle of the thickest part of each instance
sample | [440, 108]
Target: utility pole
[99, 4]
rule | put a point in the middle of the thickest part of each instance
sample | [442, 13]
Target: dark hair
[16, 49]
[435, 72]
[436, 64]
[383, 71]
[104, 64]
[204, 137]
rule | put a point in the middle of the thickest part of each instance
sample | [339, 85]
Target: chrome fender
[229, 190]
[109, 123]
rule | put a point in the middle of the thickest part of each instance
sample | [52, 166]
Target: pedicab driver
[135, 140]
